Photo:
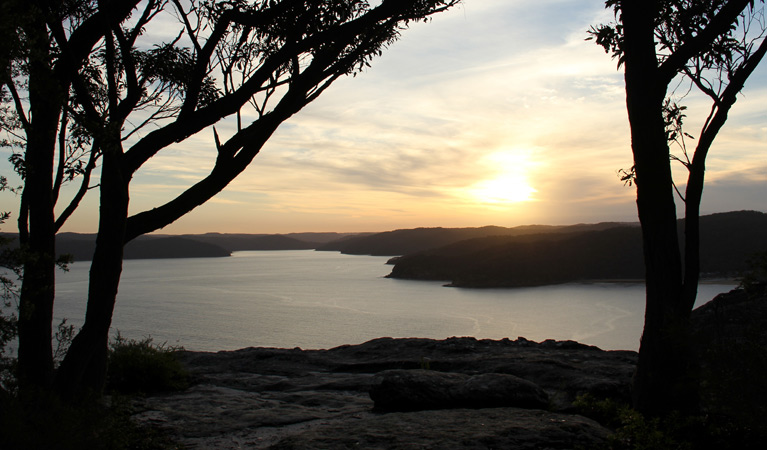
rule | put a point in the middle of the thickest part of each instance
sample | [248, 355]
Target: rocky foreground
[458, 393]
[283, 399]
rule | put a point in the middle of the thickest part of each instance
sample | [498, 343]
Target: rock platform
[482, 394]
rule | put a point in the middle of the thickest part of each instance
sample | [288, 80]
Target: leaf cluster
[609, 36]
[678, 23]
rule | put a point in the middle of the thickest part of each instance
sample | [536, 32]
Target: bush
[144, 367]
[754, 281]
[633, 431]
[42, 421]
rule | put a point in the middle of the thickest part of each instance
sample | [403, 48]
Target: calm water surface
[314, 299]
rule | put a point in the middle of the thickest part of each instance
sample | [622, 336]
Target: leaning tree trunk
[665, 378]
[36, 223]
[83, 370]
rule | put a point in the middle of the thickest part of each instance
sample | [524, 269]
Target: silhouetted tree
[715, 46]
[89, 90]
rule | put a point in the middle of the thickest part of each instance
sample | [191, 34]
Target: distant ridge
[727, 241]
[242, 242]
[209, 245]
[290, 241]
[81, 247]
[401, 242]
[483, 256]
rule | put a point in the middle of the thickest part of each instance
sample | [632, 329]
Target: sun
[509, 179]
[508, 188]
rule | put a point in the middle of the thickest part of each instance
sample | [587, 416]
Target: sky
[497, 112]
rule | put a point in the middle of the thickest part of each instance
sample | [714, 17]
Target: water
[314, 299]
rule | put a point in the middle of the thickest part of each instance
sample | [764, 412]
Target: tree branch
[59, 180]
[18, 104]
[69, 71]
[153, 7]
[234, 156]
[84, 187]
[111, 76]
[695, 179]
[201, 65]
[718, 26]
[189, 30]
[388, 14]
[133, 95]
[90, 32]
[224, 171]
[23, 221]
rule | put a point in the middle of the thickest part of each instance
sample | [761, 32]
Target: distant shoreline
[708, 281]
[714, 280]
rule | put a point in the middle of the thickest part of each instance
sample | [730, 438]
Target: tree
[715, 46]
[91, 96]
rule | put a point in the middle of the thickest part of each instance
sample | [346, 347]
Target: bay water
[312, 299]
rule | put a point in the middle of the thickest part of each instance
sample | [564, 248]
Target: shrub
[633, 431]
[754, 281]
[40, 420]
[144, 367]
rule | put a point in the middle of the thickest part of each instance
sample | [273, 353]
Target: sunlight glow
[508, 188]
[510, 184]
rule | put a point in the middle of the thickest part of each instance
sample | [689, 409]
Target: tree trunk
[38, 286]
[83, 371]
[664, 380]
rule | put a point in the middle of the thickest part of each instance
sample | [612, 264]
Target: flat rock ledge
[457, 393]
[418, 389]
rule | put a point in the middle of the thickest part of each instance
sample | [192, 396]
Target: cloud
[739, 190]
[403, 143]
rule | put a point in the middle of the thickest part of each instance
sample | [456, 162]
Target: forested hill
[727, 242]
[485, 256]
[291, 241]
[401, 242]
[81, 246]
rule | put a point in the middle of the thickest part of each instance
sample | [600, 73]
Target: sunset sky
[496, 112]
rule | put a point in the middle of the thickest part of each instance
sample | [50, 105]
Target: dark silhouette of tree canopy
[86, 94]
[711, 46]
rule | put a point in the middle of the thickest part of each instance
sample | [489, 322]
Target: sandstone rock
[495, 428]
[412, 390]
[261, 398]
